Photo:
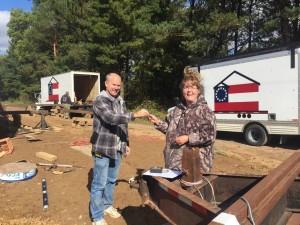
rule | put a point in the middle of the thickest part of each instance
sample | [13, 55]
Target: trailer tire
[256, 135]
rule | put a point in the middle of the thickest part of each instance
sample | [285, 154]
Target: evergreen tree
[147, 42]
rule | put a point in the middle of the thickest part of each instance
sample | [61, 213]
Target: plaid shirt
[110, 124]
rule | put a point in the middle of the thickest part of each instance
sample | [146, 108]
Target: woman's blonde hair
[190, 74]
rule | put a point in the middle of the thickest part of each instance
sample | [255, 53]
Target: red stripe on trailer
[199, 208]
[184, 199]
[173, 193]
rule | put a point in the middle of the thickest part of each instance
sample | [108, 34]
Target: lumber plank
[46, 156]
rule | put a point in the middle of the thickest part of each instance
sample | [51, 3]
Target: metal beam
[264, 196]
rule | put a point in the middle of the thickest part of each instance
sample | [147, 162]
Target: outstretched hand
[153, 119]
[141, 113]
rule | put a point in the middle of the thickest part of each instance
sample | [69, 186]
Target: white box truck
[256, 94]
[82, 86]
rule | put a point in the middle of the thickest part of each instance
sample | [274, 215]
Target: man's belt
[97, 155]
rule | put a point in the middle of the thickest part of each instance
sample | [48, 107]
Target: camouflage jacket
[199, 123]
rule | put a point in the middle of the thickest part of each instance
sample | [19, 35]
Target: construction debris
[6, 146]
[60, 172]
[32, 138]
[54, 165]
[81, 142]
[46, 156]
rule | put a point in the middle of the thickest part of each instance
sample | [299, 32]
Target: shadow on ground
[150, 216]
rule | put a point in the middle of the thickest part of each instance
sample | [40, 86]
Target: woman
[191, 124]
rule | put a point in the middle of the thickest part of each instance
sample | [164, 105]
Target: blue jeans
[106, 172]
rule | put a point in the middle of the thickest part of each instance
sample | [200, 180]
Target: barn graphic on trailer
[52, 86]
[236, 93]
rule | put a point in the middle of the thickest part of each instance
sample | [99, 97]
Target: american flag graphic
[53, 84]
[236, 94]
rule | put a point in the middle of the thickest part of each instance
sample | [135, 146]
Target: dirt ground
[68, 193]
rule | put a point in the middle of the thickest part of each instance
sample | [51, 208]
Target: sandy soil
[68, 193]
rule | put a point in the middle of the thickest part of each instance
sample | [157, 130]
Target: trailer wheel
[256, 135]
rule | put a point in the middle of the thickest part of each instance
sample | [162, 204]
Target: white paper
[166, 173]
[226, 219]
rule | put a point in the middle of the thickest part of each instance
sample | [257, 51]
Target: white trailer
[82, 86]
[255, 94]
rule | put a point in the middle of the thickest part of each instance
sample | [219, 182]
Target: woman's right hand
[153, 119]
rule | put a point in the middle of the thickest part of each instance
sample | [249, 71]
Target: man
[66, 101]
[110, 142]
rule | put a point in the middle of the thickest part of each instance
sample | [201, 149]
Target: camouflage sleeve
[163, 125]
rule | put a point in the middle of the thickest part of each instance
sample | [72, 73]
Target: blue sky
[5, 8]
[7, 5]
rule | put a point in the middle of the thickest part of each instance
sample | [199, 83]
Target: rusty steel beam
[267, 193]
[174, 203]
[178, 204]
[204, 207]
